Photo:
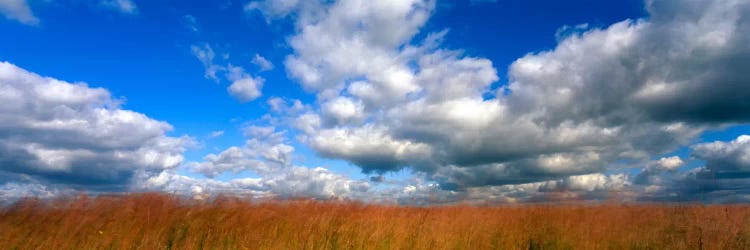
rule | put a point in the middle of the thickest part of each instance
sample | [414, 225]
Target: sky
[399, 102]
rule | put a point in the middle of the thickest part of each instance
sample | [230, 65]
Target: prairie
[157, 221]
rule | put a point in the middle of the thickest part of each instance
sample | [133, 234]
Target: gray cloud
[563, 128]
[291, 182]
[267, 155]
[265, 151]
[654, 172]
[13, 191]
[699, 184]
[724, 178]
[71, 133]
[726, 159]
[624, 93]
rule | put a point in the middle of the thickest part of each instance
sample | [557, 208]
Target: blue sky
[145, 58]
[147, 54]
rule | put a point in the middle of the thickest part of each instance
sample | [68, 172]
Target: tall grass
[154, 221]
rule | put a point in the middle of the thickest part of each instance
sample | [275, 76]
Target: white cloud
[215, 134]
[72, 133]
[275, 9]
[318, 183]
[730, 157]
[265, 151]
[206, 55]
[724, 178]
[308, 123]
[262, 63]
[282, 106]
[13, 191]
[602, 96]
[18, 10]
[658, 171]
[385, 102]
[595, 182]
[233, 159]
[668, 163]
[265, 154]
[124, 6]
[244, 87]
[343, 110]
[369, 147]
[572, 188]
[567, 31]
[330, 47]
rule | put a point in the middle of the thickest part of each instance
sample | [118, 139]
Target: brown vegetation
[153, 221]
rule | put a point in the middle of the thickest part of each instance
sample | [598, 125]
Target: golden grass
[154, 221]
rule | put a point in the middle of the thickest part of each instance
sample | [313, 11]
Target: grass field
[153, 221]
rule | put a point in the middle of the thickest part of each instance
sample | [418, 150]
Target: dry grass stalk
[155, 221]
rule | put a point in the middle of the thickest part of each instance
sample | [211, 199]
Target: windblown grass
[154, 221]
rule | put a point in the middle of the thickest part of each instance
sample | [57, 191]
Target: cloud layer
[61, 132]
[601, 100]
[604, 113]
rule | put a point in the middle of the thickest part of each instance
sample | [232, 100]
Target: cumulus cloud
[260, 154]
[14, 191]
[286, 107]
[330, 47]
[657, 64]
[623, 93]
[232, 159]
[18, 10]
[262, 63]
[726, 159]
[343, 110]
[61, 132]
[724, 178]
[58, 137]
[244, 87]
[265, 154]
[653, 172]
[572, 188]
[369, 147]
[388, 98]
[317, 183]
